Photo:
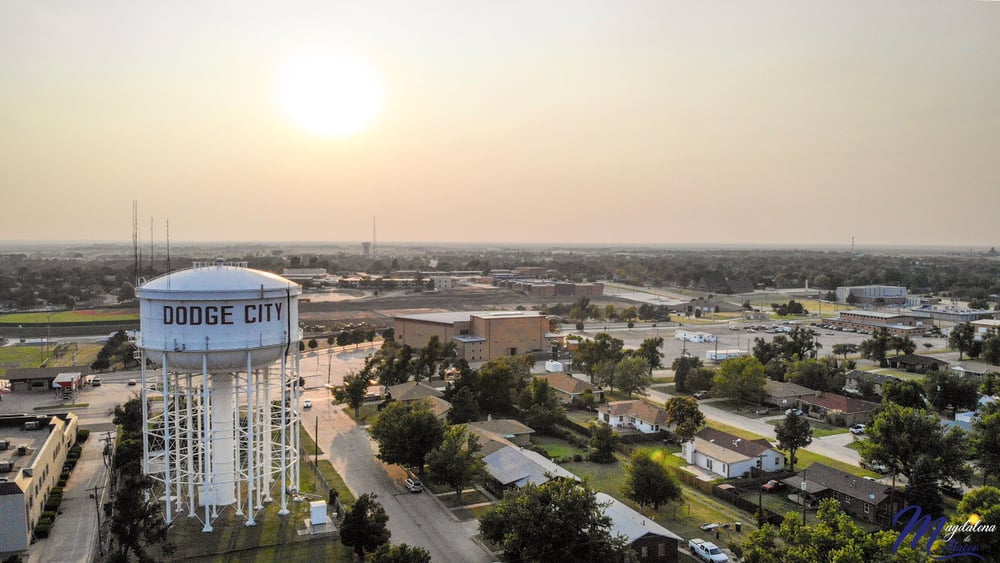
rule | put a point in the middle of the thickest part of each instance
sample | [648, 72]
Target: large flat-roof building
[898, 324]
[886, 294]
[479, 335]
[32, 453]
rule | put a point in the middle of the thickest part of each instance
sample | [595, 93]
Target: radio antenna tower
[135, 240]
[151, 267]
[168, 245]
[373, 236]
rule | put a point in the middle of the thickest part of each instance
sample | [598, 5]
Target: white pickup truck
[707, 551]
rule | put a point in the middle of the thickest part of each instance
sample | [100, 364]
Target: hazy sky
[662, 122]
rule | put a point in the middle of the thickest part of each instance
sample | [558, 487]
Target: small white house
[633, 415]
[723, 355]
[729, 455]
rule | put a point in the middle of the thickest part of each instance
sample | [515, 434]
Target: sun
[330, 93]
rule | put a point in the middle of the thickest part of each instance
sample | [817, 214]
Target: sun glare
[330, 93]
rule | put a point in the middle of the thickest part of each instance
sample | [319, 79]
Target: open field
[20, 357]
[556, 448]
[819, 429]
[79, 316]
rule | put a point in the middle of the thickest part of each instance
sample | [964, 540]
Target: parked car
[95, 382]
[796, 412]
[707, 551]
[413, 485]
[772, 485]
[858, 429]
[307, 404]
[876, 467]
[132, 382]
[701, 395]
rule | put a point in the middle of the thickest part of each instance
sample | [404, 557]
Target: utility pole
[802, 495]
[97, 505]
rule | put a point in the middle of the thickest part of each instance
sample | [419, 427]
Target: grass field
[682, 518]
[556, 448]
[54, 356]
[274, 538]
[80, 316]
[819, 429]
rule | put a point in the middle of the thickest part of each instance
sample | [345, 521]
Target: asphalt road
[414, 519]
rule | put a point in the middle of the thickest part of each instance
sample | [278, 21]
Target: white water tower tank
[221, 309]
[211, 435]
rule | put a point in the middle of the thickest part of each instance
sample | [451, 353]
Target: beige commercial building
[32, 453]
[481, 335]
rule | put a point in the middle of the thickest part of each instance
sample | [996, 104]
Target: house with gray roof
[651, 542]
[785, 394]
[861, 498]
[513, 467]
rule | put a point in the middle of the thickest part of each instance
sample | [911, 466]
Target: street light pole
[97, 506]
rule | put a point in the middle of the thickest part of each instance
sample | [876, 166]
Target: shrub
[61, 482]
[82, 435]
[49, 514]
[56, 491]
[577, 458]
[42, 530]
[72, 456]
[53, 503]
[64, 475]
[70, 463]
[44, 520]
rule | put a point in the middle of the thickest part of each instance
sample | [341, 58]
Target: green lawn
[274, 537]
[368, 412]
[556, 448]
[336, 481]
[819, 429]
[743, 408]
[473, 497]
[683, 517]
[80, 316]
[20, 357]
[739, 432]
[308, 445]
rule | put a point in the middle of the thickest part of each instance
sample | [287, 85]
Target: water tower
[220, 401]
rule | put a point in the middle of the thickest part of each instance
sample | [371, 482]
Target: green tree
[313, 344]
[406, 432]
[700, 379]
[464, 407]
[985, 503]
[991, 347]
[793, 433]
[498, 382]
[355, 389]
[682, 366]
[986, 442]
[603, 347]
[901, 435]
[740, 378]
[685, 414]
[137, 522]
[456, 461]
[542, 410]
[649, 350]
[602, 440]
[876, 347]
[834, 538]
[632, 375]
[560, 519]
[604, 374]
[906, 393]
[948, 391]
[962, 338]
[903, 345]
[364, 526]
[400, 553]
[126, 292]
[648, 483]
[844, 349]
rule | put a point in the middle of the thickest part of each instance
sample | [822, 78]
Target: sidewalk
[74, 532]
